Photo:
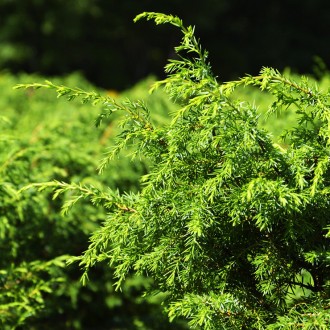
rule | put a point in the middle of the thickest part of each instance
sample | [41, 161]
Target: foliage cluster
[41, 141]
[231, 225]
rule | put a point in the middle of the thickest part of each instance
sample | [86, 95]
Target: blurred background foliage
[99, 38]
[42, 139]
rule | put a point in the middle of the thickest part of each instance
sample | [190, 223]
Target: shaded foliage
[97, 37]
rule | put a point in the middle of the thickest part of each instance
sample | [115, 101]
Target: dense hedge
[42, 140]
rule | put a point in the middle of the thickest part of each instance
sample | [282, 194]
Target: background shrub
[42, 140]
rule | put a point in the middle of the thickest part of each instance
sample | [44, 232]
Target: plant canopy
[230, 223]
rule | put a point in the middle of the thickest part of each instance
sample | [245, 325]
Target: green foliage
[41, 141]
[229, 224]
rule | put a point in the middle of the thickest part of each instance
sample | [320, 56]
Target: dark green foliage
[41, 141]
[97, 37]
[231, 226]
